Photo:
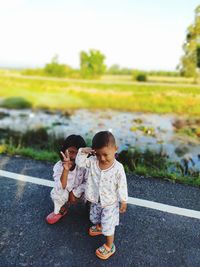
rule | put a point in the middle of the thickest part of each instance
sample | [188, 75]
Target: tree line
[92, 63]
[92, 66]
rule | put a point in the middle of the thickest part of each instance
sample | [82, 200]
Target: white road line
[165, 208]
[26, 178]
[131, 200]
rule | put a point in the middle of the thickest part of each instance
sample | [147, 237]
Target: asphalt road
[145, 237]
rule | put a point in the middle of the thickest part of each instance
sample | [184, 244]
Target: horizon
[107, 67]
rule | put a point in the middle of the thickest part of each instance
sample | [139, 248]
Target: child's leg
[59, 197]
[59, 200]
[109, 219]
[95, 213]
[72, 198]
[107, 250]
[110, 241]
[95, 218]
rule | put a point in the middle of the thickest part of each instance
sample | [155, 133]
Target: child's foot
[54, 218]
[95, 230]
[104, 252]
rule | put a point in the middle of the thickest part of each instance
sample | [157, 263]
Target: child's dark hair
[103, 138]
[72, 140]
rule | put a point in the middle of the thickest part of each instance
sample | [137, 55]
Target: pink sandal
[53, 218]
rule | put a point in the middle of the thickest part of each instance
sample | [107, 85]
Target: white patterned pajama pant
[59, 197]
[108, 217]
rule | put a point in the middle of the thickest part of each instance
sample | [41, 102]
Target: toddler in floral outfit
[105, 187]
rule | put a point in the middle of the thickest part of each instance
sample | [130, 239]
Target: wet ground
[175, 136]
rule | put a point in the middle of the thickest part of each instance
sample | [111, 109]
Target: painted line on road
[163, 207]
[131, 200]
[26, 178]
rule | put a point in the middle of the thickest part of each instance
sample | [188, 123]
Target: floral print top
[75, 181]
[104, 186]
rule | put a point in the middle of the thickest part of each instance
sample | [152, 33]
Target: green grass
[47, 155]
[128, 96]
[172, 79]
[115, 92]
[172, 177]
[154, 164]
[43, 155]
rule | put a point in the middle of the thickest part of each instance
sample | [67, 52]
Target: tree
[190, 62]
[55, 69]
[114, 69]
[117, 70]
[92, 64]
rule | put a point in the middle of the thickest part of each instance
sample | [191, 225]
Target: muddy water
[132, 130]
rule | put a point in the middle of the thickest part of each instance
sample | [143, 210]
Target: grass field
[111, 92]
[158, 95]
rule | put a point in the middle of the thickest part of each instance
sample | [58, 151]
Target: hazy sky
[142, 34]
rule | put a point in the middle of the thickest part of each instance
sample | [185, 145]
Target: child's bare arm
[123, 207]
[67, 164]
[122, 190]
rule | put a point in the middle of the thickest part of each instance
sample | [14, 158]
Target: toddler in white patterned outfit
[105, 187]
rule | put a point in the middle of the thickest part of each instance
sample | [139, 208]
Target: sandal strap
[105, 249]
[95, 228]
[63, 209]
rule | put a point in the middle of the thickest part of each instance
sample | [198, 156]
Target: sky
[137, 34]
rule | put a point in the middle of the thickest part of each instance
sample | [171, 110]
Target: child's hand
[87, 150]
[123, 207]
[67, 164]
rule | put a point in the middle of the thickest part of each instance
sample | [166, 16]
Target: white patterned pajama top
[104, 189]
[75, 183]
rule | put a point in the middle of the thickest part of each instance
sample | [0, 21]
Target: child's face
[72, 153]
[106, 154]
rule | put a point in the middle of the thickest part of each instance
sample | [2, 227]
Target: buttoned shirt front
[107, 186]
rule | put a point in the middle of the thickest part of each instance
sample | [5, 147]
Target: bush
[134, 159]
[33, 72]
[55, 69]
[16, 103]
[140, 76]
[164, 73]
[35, 138]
